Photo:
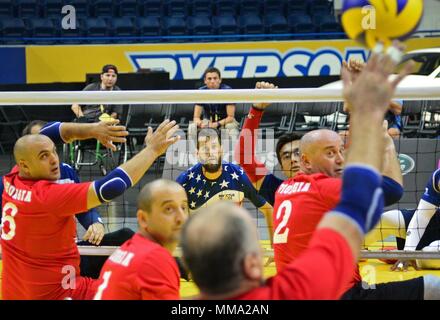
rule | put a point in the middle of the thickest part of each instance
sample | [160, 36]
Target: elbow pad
[362, 197]
[112, 185]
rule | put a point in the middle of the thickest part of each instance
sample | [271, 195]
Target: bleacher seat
[320, 6]
[52, 8]
[199, 26]
[124, 8]
[150, 8]
[300, 23]
[275, 24]
[225, 7]
[96, 27]
[319, 115]
[81, 8]
[123, 27]
[12, 29]
[411, 117]
[250, 7]
[39, 28]
[296, 7]
[174, 26]
[102, 8]
[176, 8]
[28, 8]
[70, 35]
[327, 23]
[225, 25]
[274, 7]
[149, 27]
[251, 24]
[6, 9]
[201, 7]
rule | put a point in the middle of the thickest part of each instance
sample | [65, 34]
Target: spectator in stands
[218, 116]
[95, 113]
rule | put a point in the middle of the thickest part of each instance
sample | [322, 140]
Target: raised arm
[105, 132]
[128, 174]
[245, 148]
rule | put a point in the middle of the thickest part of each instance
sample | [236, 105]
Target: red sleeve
[322, 272]
[245, 149]
[63, 199]
[330, 190]
[159, 279]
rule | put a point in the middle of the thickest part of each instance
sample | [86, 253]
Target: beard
[212, 167]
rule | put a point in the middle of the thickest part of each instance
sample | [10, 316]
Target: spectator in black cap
[94, 113]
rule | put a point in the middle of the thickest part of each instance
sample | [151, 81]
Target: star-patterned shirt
[233, 185]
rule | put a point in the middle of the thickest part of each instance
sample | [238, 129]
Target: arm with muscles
[128, 174]
[105, 132]
[245, 148]
[427, 207]
[197, 118]
[76, 108]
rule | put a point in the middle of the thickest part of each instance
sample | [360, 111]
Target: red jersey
[322, 272]
[139, 270]
[300, 204]
[40, 256]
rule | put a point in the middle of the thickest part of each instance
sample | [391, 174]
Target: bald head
[322, 152]
[312, 140]
[37, 158]
[150, 190]
[215, 242]
[24, 145]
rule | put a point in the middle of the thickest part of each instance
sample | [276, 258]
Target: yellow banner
[45, 64]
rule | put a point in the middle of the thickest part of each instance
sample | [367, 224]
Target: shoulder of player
[157, 257]
[225, 86]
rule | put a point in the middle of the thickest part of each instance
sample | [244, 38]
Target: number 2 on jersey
[284, 210]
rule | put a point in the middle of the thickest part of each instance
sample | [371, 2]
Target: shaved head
[148, 192]
[322, 152]
[24, 146]
[37, 158]
[215, 242]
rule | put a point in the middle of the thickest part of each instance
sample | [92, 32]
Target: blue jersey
[214, 111]
[233, 185]
[432, 190]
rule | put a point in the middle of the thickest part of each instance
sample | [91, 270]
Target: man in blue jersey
[414, 229]
[218, 115]
[91, 220]
[213, 180]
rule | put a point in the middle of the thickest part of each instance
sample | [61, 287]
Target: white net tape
[199, 96]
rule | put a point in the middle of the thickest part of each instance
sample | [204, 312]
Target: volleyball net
[291, 110]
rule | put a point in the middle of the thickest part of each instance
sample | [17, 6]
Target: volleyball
[369, 21]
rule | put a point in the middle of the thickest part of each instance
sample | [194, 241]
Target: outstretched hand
[108, 132]
[371, 89]
[263, 85]
[162, 138]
